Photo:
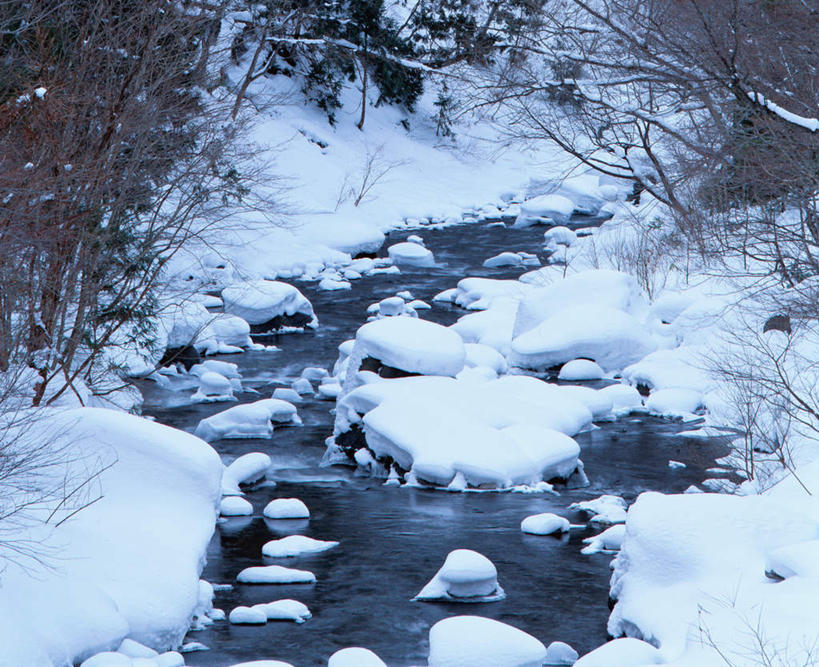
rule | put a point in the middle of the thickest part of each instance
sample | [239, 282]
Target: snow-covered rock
[248, 420]
[246, 469]
[466, 576]
[295, 545]
[355, 656]
[286, 508]
[612, 338]
[557, 236]
[274, 574]
[287, 394]
[560, 653]
[504, 259]
[483, 356]
[247, 616]
[213, 387]
[626, 652]
[475, 641]
[235, 506]
[285, 610]
[623, 397]
[544, 524]
[268, 305]
[610, 539]
[408, 345]
[549, 209]
[675, 402]
[411, 254]
[606, 509]
[106, 582]
[579, 370]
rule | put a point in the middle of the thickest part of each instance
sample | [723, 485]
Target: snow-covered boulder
[483, 356]
[481, 293]
[626, 652]
[606, 509]
[580, 370]
[295, 545]
[466, 576]
[612, 338]
[475, 641]
[106, 581]
[355, 656]
[246, 469]
[675, 402]
[235, 506]
[545, 209]
[213, 387]
[286, 508]
[610, 539]
[408, 346]
[623, 397]
[247, 616]
[557, 236]
[411, 254]
[248, 420]
[274, 574]
[285, 610]
[269, 305]
[560, 653]
[227, 330]
[544, 524]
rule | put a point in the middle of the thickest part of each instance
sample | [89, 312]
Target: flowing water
[392, 540]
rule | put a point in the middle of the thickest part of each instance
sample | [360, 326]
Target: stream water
[392, 540]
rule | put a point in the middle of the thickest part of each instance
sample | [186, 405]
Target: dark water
[394, 539]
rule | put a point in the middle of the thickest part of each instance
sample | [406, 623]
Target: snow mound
[483, 356]
[235, 506]
[268, 304]
[355, 657]
[285, 610]
[675, 402]
[286, 508]
[249, 420]
[544, 524]
[482, 642]
[466, 576]
[247, 616]
[409, 345]
[610, 539]
[626, 652]
[411, 254]
[611, 337]
[623, 397]
[603, 510]
[557, 236]
[107, 582]
[517, 259]
[481, 293]
[579, 370]
[213, 387]
[545, 209]
[295, 545]
[560, 653]
[247, 469]
[274, 574]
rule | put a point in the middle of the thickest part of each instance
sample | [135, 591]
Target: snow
[302, 387]
[560, 653]
[675, 402]
[263, 663]
[286, 508]
[284, 610]
[610, 539]
[224, 368]
[794, 560]
[552, 208]
[235, 506]
[579, 370]
[295, 545]
[355, 657]
[483, 356]
[544, 524]
[612, 338]
[411, 254]
[246, 469]
[466, 576]
[260, 301]
[626, 652]
[213, 387]
[411, 345]
[559, 236]
[287, 394]
[108, 584]
[248, 420]
[274, 574]
[623, 397]
[482, 642]
[606, 509]
[511, 259]
[247, 616]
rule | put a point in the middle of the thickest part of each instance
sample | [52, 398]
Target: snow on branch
[811, 124]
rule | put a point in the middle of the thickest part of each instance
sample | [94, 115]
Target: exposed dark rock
[187, 355]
